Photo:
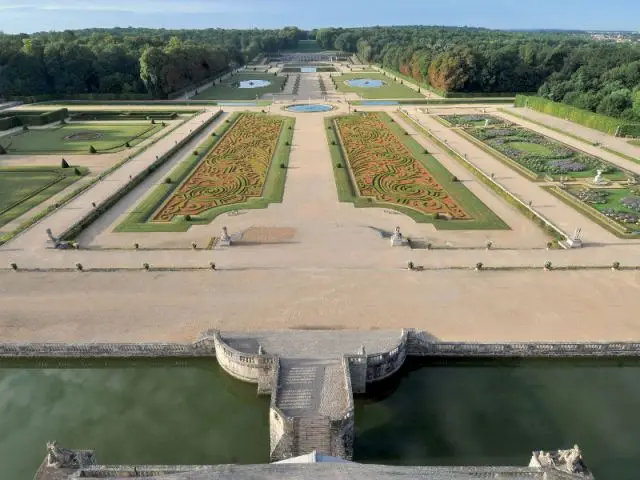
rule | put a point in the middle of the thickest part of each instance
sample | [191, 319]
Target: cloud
[136, 6]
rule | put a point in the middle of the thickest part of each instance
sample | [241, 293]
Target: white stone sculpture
[575, 241]
[397, 239]
[599, 180]
[58, 457]
[225, 239]
[569, 461]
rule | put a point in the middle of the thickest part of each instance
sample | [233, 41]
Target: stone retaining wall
[113, 350]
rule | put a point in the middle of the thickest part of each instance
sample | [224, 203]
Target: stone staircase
[311, 394]
[312, 433]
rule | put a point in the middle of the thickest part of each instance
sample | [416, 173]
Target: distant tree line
[567, 67]
[126, 61]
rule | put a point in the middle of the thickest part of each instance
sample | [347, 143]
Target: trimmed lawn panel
[22, 188]
[229, 90]
[79, 137]
[238, 168]
[380, 166]
[390, 89]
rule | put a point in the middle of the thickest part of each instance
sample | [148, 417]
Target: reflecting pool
[365, 83]
[253, 83]
[153, 412]
[496, 412]
[311, 108]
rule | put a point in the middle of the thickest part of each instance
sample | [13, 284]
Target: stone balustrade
[249, 367]
[113, 350]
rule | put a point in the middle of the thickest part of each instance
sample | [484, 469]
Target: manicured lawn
[390, 89]
[21, 189]
[377, 165]
[229, 88]
[243, 166]
[79, 137]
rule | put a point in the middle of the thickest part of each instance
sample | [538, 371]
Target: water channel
[437, 412]
[153, 412]
[496, 412]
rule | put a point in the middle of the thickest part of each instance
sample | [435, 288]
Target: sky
[27, 16]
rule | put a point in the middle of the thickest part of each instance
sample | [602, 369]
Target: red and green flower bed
[387, 168]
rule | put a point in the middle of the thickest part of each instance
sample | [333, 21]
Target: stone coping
[417, 344]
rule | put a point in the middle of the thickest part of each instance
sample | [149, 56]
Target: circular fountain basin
[365, 83]
[310, 108]
[254, 84]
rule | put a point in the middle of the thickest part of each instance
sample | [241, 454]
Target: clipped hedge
[116, 196]
[19, 118]
[610, 125]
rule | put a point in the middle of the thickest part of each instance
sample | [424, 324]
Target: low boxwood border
[483, 218]
[273, 190]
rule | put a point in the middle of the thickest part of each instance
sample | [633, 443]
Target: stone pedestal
[397, 239]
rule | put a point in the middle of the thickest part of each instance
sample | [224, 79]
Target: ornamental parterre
[538, 153]
[385, 169]
[475, 119]
[234, 171]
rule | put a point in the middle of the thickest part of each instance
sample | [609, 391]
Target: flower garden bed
[474, 120]
[607, 207]
[542, 156]
[387, 168]
[234, 169]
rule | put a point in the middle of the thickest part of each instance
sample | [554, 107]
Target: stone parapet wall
[113, 350]
[419, 348]
[249, 367]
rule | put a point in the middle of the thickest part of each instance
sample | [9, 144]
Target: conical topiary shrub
[64, 164]
[92, 149]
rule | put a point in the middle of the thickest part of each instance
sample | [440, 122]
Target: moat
[433, 412]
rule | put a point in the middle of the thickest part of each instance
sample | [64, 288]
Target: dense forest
[127, 61]
[568, 67]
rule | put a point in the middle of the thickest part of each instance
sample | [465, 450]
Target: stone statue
[52, 239]
[599, 180]
[569, 461]
[225, 239]
[58, 457]
[397, 239]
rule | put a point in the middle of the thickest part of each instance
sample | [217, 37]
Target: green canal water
[154, 412]
[496, 412]
[444, 412]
